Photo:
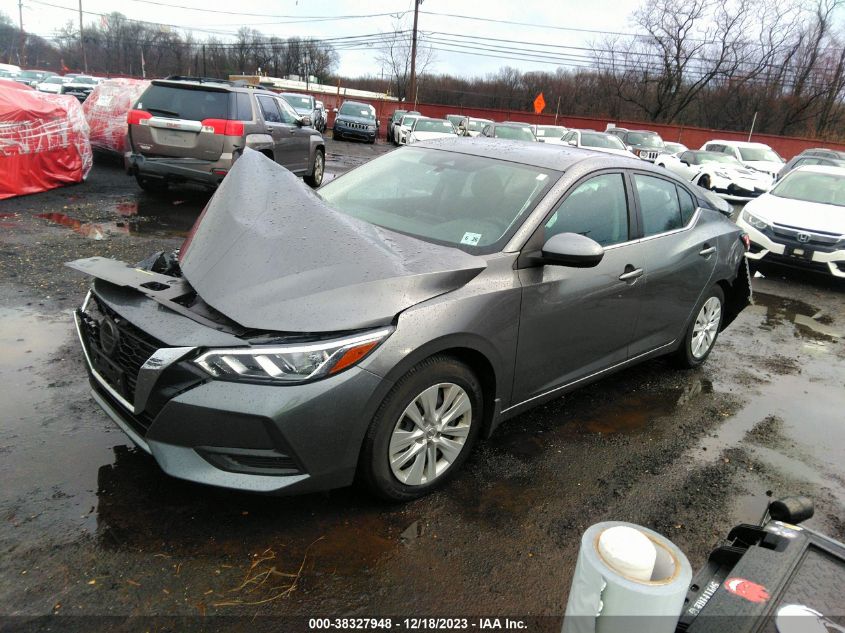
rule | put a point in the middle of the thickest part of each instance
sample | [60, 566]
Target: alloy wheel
[706, 327]
[430, 434]
[319, 167]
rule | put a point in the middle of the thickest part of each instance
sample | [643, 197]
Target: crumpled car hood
[269, 254]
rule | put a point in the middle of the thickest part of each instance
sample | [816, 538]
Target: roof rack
[199, 79]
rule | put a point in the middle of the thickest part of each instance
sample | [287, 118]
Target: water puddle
[46, 439]
[142, 216]
[809, 322]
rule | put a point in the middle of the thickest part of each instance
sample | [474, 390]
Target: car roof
[554, 157]
[215, 84]
[738, 143]
[361, 103]
[821, 169]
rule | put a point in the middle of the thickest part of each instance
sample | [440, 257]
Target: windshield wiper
[163, 111]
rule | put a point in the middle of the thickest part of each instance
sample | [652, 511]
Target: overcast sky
[603, 15]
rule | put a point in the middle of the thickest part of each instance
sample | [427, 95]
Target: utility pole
[413, 96]
[82, 40]
[204, 71]
[22, 52]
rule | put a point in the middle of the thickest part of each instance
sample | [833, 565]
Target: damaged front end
[233, 360]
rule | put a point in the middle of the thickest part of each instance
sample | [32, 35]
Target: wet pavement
[91, 526]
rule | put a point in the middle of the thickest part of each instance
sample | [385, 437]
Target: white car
[403, 129]
[720, 173]
[758, 156]
[471, 126]
[801, 221]
[426, 129]
[550, 133]
[598, 141]
[53, 84]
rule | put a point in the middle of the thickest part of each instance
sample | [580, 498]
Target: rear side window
[185, 103]
[659, 205]
[269, 109]
[244, 106]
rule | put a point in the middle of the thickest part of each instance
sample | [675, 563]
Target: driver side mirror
[571, 249]
[572, 142]
[334, 110]
[304, 121]
[683, 162]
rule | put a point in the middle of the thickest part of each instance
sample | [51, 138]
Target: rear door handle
[707, 250]
[631, 274]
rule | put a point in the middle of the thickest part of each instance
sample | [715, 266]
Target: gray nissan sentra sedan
[376, 329]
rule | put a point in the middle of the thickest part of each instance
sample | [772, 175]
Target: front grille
[825, 242]
[356, 126]
[140, 422]
[120, 367]
[648, 155]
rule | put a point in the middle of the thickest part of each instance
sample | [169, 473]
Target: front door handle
[707, 251]
[631, 274]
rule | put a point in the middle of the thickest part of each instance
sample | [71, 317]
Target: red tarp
[106, 109]
[43, 140]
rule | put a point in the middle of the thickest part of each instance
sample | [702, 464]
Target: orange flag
[539, 104]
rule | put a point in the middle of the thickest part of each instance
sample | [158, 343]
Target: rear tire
[703, 331]
[409, 449]
[318, 168]
[151, 185]
[337, 136]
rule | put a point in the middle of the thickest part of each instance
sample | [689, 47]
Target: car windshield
[759, 153]
[397, 116]
[475, 125]
[605, 141]
[433, 125]
[84, 80]
[550, 131]
[715, 157]
[674, 148]
[300, 103]
[408, 121]
[358, 110]
[515, 133]
[812, 186]
[470, 202]
[53, 80]
[30, 74]
[645, 139]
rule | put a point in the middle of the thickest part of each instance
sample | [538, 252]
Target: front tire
[318, 168]
[704, 182]
[702, 333]
[423, 431]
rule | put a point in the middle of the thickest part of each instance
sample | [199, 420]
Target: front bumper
[805, 256]
[739, 190]
[204, 172]
[348, 131]
[259, 438]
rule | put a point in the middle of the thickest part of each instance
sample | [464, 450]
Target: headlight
[754, 221]
[287, 364]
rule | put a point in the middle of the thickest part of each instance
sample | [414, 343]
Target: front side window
[289, 115]
[470, 202]
[659, 205]
[597, 208]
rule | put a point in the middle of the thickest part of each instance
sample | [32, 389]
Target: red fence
[692, 137]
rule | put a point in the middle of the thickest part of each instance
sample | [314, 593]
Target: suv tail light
[225, 127]
[134, 117]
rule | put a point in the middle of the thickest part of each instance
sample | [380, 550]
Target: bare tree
[394, 57]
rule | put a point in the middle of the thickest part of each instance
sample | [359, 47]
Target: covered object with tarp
[106, 109]
[43, 140]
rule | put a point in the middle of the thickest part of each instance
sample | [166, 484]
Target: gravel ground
[91, 527]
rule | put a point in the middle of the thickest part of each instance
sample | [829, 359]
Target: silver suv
[190, 129]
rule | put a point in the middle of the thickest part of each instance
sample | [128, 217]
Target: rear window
[185, 103]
